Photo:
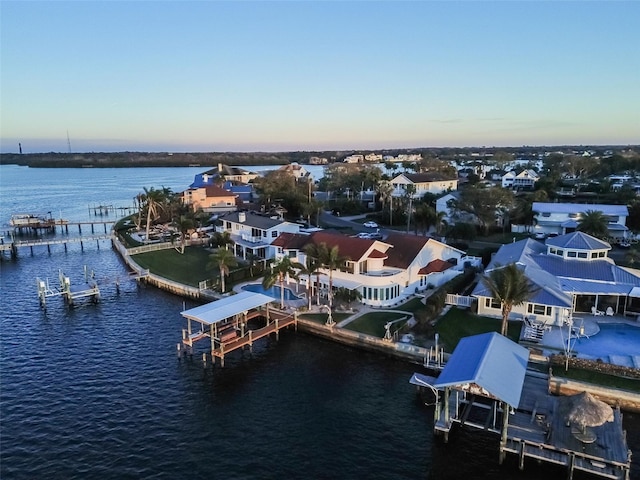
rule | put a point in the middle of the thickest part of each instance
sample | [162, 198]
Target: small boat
[29, 220]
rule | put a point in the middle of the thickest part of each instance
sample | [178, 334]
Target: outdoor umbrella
[587, 411]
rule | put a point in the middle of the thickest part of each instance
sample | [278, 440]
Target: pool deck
[588, 326]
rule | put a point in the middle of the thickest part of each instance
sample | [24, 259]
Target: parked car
[539, 235]
[363, 235]
[370, 224]
[624, 244]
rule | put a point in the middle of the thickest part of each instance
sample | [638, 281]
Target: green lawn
[411, 306]
[373, 323]
[458, 323]
[189, 268]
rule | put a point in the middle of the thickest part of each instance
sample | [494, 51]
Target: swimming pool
[614, 339]
[272, 292]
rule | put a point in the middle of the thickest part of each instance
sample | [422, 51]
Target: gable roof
[428, 177]
[350, 247]
[217, 311]
[436, 265]
[490, 361]
[291, 241]
[405, 249]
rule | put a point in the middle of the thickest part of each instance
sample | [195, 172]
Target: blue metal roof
[578, 241]
[599, 270]
[492, 362]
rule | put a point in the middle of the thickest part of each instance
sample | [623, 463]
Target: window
[492, 303]
[539, 309]
[546, 214]
[572, 254]
[274, 234]
[573, 215]
[582, 255]
[602, 254]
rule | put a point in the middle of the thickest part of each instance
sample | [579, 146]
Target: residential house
[234, 174]
[254, 233]
[354, 159]
[297, 171]
[318, 161]
[571, 276]
[525, 180]
[432, 182]
[560, 218]
[384, 272]
[210, 198]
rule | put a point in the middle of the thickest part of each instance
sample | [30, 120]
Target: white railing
[459, 300]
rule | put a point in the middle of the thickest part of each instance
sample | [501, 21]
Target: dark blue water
[274, 291]
[98, 391]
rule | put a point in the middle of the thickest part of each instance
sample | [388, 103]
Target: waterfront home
[254, 233]
[560, 218]
[384, 272]
[432, 182]
[297, 171]
[525, 180]
[571, 274]
[210, 198]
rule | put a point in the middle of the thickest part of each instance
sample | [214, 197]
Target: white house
[296, 170]
[354, 159]
[525, 180]
[433, 182]
[560, 218]
[572, 276]
[254, 233]
[384, 272]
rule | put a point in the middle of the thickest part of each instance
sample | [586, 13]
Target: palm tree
[332, 260]
[309, 269]
[223, 259]
[279, 271]
[510, 286]
[594, 222]
[183, 224]
[153, 202]
[317, 253]
[384, 189]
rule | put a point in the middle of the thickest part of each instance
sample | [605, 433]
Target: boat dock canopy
[219, 310]
[489, 361]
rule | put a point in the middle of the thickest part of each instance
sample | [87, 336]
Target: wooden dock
[538, 430]
[234, 334]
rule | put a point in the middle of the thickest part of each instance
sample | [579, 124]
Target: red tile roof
[350, 247]
[436, 265]
[405, 249]
[215, 191]
[290, 241]
[377, 254]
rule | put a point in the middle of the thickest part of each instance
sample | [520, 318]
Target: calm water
[98, 392]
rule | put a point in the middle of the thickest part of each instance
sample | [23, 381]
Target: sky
[206, 76]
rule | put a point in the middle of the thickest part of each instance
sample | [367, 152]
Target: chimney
[242, 217]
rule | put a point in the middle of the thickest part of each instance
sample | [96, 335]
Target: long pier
[13, 246]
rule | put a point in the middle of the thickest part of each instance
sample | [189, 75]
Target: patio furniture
[597, 313]
[609, 312]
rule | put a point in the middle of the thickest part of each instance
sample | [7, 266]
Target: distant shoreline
[211, 159]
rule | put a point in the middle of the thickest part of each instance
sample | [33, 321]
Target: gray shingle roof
[253, 220]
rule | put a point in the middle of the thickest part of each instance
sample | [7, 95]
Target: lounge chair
[596, 313]
[609, 312]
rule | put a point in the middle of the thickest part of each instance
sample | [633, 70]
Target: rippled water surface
[98, 391]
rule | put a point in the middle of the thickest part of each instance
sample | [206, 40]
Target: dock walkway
[538, 429]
